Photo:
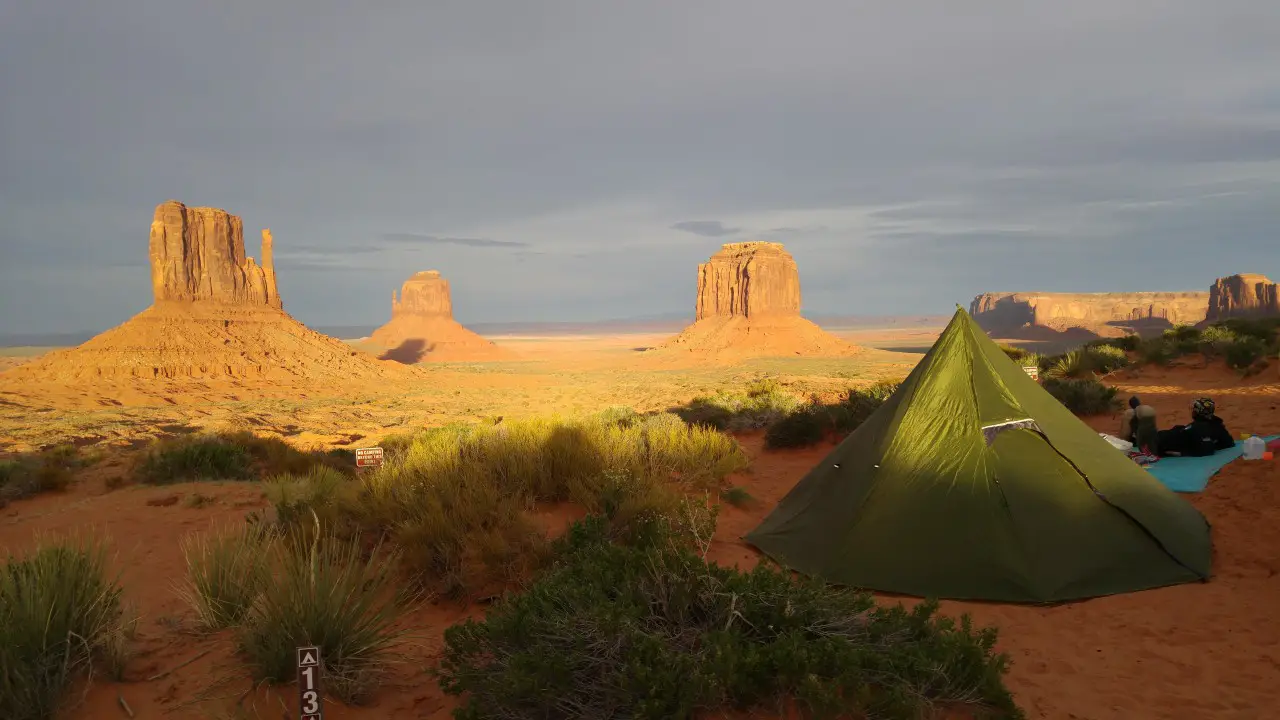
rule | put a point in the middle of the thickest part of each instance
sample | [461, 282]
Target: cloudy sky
[575, 160]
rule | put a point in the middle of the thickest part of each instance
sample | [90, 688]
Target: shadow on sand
[409, 352]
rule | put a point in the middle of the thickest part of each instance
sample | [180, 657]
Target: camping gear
[1274, 445]
[1143, 458]
[1253, 448]
[1192, 474]
[1117, 443]
[972, 482]
[1267, 455]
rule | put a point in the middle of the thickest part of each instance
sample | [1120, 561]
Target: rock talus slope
[422, 327]
[748, 305]
[217, 313]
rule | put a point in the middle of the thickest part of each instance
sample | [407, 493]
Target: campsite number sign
[310, 703]
[368, 457]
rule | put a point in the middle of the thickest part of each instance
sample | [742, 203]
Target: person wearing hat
[1138, 425]
[1204, 435]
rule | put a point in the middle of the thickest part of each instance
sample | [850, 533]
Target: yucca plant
[324, 591]
[59, 610]
[226, 572]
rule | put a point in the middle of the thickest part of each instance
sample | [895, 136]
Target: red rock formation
[422, 327]
[426, 294]
[1244, 295]
[749, 305]
[198, 254]
[750, 279]
[1105, 314]
[217, 314]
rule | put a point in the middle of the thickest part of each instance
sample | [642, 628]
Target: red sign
[369, 457]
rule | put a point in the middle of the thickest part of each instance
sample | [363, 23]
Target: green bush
[1264, 329]
[456, 500]
[1245, 352]
[1156, 351]
[59, 612]
[1088, 360]
[1183, 339]
[1216, 339]
[802, 428]
[226, 572]
[760, 404]
[657, 632]
[816, 421]
[229, 456]
[1083, 396]
[49, 470]
[329, 593]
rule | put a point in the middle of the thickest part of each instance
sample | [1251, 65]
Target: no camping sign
[1032, 371]
[369, 457]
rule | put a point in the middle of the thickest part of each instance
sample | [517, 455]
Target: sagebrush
[657, 632]
[457, 499]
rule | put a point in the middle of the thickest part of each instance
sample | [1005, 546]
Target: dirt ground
[1208, 650]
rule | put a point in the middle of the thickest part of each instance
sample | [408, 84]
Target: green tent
[973, 482]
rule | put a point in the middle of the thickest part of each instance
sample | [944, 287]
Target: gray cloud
[414, 239]
[1084, 146]
[706, 228]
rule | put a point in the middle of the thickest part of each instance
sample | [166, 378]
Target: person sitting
[1138, 425]
[1204, 435]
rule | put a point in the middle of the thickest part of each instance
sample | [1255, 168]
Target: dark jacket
[1201, 437]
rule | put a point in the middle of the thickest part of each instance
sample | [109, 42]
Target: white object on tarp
[1117, 443]
[1254, 447]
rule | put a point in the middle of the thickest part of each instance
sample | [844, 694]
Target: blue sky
[572, 161]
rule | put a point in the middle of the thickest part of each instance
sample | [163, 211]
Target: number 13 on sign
[310, 703]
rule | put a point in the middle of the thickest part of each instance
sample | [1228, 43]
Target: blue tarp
[1192, 474]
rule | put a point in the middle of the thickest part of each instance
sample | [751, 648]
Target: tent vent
[989, 432]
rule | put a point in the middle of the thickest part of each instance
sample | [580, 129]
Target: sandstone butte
[422, 327]
[1244, 295]
[217, 313]
[748, 305]
[1013, 314]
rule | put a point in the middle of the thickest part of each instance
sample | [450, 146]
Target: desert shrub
[456, 499]
[1087, 361]
[1264, 329]
[229, 456]
[761, 403]
[226, 572]
[1021, 356]
[657, 632]
[737, 497]
[47, 471]
[326, 592]
[299, 498]
[815, 421]
[802, 428]
[1216, 339]
[1156, 351]
[59, 612]
[1245, 352]
[1127, 343]
[1083, 396]
[1182, 339]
